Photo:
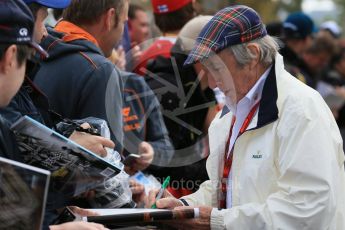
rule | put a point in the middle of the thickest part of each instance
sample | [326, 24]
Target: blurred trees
[341, 3]
[290, 5]
[341, 21]
[268, 9]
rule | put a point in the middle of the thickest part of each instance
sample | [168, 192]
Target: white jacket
[288, 167]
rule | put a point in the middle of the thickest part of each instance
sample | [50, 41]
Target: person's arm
[154, 131]
[95, 144]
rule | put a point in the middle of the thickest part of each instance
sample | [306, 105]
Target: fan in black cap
[17, 25]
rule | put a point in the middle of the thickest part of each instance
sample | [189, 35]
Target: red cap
[167, 6]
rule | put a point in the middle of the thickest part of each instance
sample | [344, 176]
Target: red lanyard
[228, 157]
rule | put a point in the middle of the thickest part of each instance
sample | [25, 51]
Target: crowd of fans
[104, 62]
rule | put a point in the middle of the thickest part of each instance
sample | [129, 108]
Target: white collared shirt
[242, 110]
[170, 39]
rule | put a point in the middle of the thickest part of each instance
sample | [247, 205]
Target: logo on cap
[163, 8]
[23, 32]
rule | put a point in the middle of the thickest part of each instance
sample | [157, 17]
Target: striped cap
[230, 26]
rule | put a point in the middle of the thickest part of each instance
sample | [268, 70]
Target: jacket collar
[73, 32]
[268, 110]
[56, 47]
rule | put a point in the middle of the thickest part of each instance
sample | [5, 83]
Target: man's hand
[121, 59]
[202, 223]
[138, 192]
[168, 201]
[136, 53]
[146, 156]
[340, 91]
[78, 226]
[93, 143]
[82, 212]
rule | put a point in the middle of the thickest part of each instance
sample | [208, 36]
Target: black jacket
[8, 144]
[297, 67]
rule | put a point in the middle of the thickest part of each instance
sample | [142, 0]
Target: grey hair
[268, 50]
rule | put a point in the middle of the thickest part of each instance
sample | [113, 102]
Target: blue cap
[229, 26]
[298, 25]
[17, 25]
[55, 4]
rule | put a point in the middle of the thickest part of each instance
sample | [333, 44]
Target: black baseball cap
[17, 25]
[298, 25]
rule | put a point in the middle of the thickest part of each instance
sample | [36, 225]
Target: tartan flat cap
[230, 26]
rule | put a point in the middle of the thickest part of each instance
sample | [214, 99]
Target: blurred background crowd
[312, 43]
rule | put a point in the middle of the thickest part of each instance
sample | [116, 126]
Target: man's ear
[8, 59]
[254, 49]
[110, 19]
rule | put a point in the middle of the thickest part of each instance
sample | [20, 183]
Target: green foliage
[268, 9]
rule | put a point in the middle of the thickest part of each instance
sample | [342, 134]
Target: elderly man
[276, 158]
